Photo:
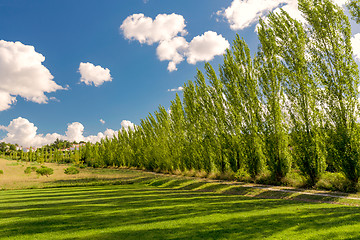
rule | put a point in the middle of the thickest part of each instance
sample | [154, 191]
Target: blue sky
[69, 32]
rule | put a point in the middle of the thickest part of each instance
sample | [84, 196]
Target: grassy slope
[15, 178]
[158, 207]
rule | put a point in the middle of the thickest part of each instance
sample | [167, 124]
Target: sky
[81, 70]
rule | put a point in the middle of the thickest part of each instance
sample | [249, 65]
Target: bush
[28, 170]
[333, 182]
[71, 170]
[242, 175]
[82, 166]
[1, 172]
[45, 171]
[295, 179]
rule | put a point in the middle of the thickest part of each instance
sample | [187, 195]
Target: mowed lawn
[137, 211]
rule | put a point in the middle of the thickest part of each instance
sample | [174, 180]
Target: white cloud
[172, 50]
[6, 100]
[125, 124]
[91, 74]
[355, 41]
[21, 131]
[54, 99]
[145, 30]
[102, 121]
[75, 132]
[176, 89]
[22, 74]
[109, 133]
[243, 13]
[24, 133]
[169, 31]
[206, 47]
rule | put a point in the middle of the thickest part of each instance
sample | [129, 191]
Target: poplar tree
[271, 76]
[334, 66]
[161, 144]
[177, 130]
[240, 78]
[302, 91]
[218, 108]
[148, 139]
[211, 159]
[193, 148]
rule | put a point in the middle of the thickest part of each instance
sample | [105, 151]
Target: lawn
[137, 211]
[162, 208]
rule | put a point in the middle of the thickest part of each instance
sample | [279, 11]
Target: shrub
[45, 171]
[295, 179]
[242, 175]
[82, 166]
[333, 181]
[27, 170]
[1, 172]
[71, 170]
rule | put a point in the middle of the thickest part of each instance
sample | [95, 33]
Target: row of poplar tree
[294, 105]
[46, 154]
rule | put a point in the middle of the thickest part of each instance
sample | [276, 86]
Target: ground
[129, 204]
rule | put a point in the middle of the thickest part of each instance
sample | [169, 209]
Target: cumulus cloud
[145, 30]
[169, 31]
[75, 132]
[6, 100]
[243, 13]
[24, 133]
[126, 125]
[22, 74]
[176, 89]
[206, 47]
[172, 50]
[91, 74]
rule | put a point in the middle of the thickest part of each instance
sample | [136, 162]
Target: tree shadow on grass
[226, 226]
[139, 212]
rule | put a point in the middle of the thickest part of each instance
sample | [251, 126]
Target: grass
[129, 204]
[14, 176]
[144, 212]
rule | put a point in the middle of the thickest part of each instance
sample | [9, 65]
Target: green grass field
[127, 204]
[143, 212]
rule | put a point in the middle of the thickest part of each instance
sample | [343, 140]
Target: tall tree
[334, 66]
[177, 133]
[193, 148]
[240, 79]
[302, 91]
[273, 99]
